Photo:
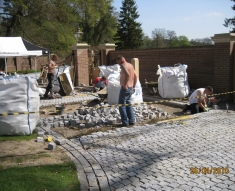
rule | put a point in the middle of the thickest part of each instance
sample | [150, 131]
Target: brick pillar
[224, 63]
[81, 63]
[105, 48]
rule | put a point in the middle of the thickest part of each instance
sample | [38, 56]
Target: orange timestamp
[209, 170]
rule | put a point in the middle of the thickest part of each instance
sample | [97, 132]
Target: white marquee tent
[17, 46]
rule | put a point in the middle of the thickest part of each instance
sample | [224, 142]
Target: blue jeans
[126, 112]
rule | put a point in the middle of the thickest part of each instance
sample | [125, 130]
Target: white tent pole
[6, 65]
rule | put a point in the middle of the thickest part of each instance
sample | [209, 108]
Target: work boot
[52, 95]
[185, 108]
[46, 94]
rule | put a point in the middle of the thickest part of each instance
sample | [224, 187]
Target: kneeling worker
[198, 99]
[100, 82]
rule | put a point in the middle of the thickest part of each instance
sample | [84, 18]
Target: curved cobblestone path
[194, 154]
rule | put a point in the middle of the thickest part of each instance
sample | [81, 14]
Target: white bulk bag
[18, 94]
[137, 97]
[113, 88]
[173, 81]
[107, 70]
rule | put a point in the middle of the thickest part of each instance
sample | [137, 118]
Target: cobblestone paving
[162, 156]
[78, 98]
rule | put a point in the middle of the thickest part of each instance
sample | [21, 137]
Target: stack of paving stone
[74, 98]
[44, 135]
[99, 115]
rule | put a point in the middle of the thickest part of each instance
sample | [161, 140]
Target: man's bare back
[52, 64]
[128, 77]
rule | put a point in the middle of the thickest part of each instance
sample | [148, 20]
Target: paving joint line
[102, 182]
[105, 180]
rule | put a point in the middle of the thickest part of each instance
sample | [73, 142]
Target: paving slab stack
[99, 115]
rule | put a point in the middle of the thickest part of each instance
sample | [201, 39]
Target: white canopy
[16, 46]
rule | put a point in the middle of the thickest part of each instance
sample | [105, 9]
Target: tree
[147, 43]
[201, 42]
[230, 22]
[52, 23]
[162, 38]
[129, 33]
[99, 28]
[171, 35]
[45, 23]
[159, 36]
[181, 41]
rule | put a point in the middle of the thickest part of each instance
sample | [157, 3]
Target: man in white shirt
[198, 99]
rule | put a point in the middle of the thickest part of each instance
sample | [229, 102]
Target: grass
[18, 138]
[54, 177]
[38, 178]
[20, 159]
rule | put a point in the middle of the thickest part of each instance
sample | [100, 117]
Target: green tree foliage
[52, 23]
[129, 33]
[181, 41]
[162, 38]
[230, 22]
[45, 23]
[147, 42]
[100, 27]
[201, 42]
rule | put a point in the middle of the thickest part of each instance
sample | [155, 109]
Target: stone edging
[90, 174]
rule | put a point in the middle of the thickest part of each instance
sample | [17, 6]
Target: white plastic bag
[173, 81]
[113, 75]
[18, 94]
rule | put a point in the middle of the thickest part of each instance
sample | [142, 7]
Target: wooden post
[135, 63]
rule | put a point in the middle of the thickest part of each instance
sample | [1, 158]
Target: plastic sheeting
[113, 75]
[173, 81]
[18, 94]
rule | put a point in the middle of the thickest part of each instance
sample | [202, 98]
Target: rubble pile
[99, 115]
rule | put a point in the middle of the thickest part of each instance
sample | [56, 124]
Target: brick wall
[200, 61]
[24, 63]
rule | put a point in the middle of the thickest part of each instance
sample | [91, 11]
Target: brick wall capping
[107, 46]
[224, 37]
[80, 46]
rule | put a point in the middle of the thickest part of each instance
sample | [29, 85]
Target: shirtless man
[50, 76]
[198, 99]
[128, 81]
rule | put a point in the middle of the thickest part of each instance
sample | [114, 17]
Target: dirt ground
[28, 153]
[74, 132]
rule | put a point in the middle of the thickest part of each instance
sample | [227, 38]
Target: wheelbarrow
[103, 94]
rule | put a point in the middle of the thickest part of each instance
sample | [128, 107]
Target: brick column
[224, 63]
[81, 63]
[105, 48]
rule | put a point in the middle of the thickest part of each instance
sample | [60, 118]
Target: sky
[193, 19]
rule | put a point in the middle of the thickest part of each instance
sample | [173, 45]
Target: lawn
[37, 177]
